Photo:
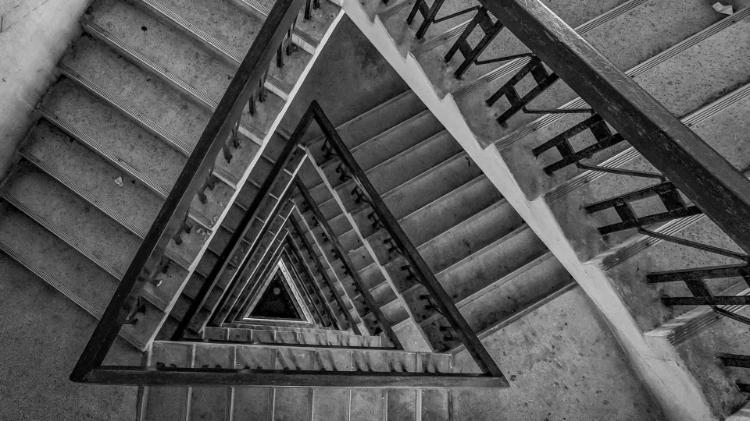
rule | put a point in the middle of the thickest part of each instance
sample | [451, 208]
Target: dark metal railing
[558, 52]
[329, 283]
[219, 139]
[310, 286]
[692, 178]
[416, 267]
[380, 323]
[362, 377]
[241, 276]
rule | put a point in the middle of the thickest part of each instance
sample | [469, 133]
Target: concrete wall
[33, 36]
[349, 78]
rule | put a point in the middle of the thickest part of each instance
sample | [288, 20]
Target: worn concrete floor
[42, 334]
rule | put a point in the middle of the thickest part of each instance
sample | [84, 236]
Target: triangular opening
[276, 302]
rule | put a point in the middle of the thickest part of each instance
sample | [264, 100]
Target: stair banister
[233, 247]
[244, 89]
[356, 278]
[326, 279]
[426, 278]
[700, 172]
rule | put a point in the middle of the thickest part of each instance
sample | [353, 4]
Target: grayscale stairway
[132, 98]
[563, 170]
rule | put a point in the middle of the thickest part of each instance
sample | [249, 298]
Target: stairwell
[498, 222]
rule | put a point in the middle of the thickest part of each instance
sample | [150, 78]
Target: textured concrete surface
[349, 78]
[33, 36]
[39, 349]
[563, 364]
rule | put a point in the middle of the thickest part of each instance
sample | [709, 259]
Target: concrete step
[697, 17]
[124, 23]
[404, 110]
[125, 144]
[310, 337]
[450, 209]
[442, 33]
[94, 180]
[510, 297]
[290, 357]
[460, 240]
[608, 25]
[297, 403]
[75, 106]
[378, 149]
[83, 171]
[470, 235]
[89, 230]
[71, 273]
[483, 268]
[421, 190]
[656, 77]
[308, 33]
[380, 119]
[154, 104]
[716, 123]
[224, 29]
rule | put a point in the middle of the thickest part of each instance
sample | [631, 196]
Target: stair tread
[203, 76]
[71, 273]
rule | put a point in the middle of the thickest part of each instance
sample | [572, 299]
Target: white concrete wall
[33, 36]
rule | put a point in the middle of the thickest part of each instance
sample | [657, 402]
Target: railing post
[703, 175]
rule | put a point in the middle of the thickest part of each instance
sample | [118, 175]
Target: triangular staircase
[389, 267]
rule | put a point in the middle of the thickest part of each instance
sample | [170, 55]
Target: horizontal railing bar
[288, 378]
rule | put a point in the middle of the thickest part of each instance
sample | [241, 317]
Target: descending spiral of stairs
[560, 309]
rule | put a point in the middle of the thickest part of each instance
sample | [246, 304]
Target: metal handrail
[699, 171]
[491, 377]
[219, 136]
